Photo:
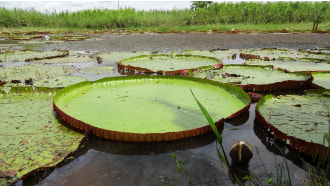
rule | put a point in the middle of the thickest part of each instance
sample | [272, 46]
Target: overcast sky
[72, 6]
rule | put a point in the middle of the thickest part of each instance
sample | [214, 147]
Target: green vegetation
[215, 14]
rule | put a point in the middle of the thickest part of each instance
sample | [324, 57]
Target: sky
[71, 6]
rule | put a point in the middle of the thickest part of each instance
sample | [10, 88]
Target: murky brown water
[105, 162]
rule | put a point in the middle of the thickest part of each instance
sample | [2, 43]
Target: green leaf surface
[244, 74]
[118, 56]
[143, 104]
[170, 62]
[285, 54]
[22, 55]
[34, 71]
[293, 66]
[59, 82]
[303, 117]
[31, 137]
[97, 70]
[219, 54]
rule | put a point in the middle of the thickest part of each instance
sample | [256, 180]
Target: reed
[217, 13]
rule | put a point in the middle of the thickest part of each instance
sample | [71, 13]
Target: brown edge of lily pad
[133, 137]
[283, 85]
[309, 148]
[130, 68]
[65, 53]
[147, 137]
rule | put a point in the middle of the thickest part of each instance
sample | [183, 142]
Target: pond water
[106, 162]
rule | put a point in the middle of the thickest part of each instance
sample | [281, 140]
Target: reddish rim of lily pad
[308, 148]
[174, 72]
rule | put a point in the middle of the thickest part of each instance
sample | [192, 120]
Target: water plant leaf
[285, 54]
[168, 64]
[293, 66]
[59, 82]
[31, 137]
[321, 79]
[209, 119]
[302, 127]
[97, 70]
[256, 78]
[219, 54]
[165, 111]
[34, 71]
[118, 56]
[29, 55]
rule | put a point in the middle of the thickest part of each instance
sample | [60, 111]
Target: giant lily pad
[29, 55]
[31, 137]
[167, 64]
[59, 82]
[321, 80]
[256, 78]
[301, 121]
[148, 108]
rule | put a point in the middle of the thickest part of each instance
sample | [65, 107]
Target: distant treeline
[215, 13]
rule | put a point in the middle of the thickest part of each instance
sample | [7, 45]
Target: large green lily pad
[31, 137]
[167, 64]
[148, 108]
[34, 72]
[256, 78]
[59, 82]
[321, 79]
[29, 55]
[301, 121]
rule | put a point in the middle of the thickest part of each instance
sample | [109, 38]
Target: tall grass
[217, 13]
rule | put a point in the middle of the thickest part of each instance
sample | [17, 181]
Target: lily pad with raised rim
[321, 80]
[219, 54]
[148, 108]
[167, 64]
[117, 56]
[31, 137]
[256, 78]
[300, 121]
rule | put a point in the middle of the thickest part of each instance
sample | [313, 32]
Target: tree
[200, 4]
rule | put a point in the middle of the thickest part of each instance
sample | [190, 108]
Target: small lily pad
[300, 121]
[167, 64]
[59, 82]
